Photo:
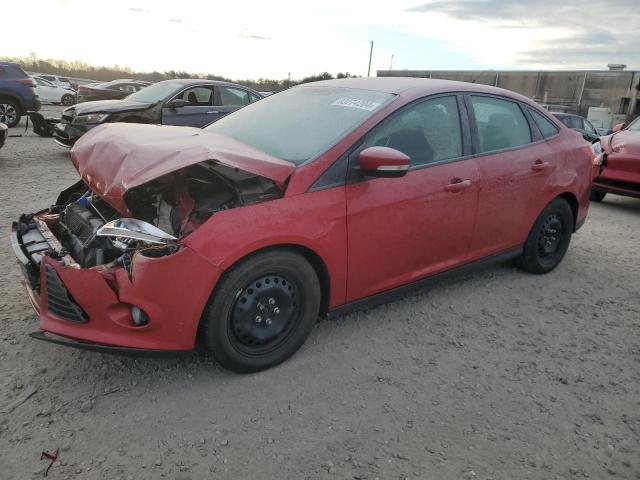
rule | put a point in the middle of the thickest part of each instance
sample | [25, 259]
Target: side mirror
[383, 162]
[619, 127]
[176, 103]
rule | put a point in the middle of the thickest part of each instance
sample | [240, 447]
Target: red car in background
[620, 162]
[322, 198]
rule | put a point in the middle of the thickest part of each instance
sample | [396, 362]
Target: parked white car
[51, 93]
[55, 79]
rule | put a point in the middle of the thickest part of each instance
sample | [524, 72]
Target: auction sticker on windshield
[356, 103]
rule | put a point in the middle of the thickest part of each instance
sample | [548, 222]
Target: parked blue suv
[17, 94]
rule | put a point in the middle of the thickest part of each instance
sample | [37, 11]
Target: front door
[198, 111]
[403, 229]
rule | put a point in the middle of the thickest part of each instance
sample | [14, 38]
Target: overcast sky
[248, 39]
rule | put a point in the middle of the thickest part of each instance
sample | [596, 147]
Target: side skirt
[395, 293]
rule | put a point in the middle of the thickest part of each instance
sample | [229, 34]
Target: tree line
[82, 69]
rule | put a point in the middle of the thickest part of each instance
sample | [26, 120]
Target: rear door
[230, 99]
[403, 229]
[198, 110]
[516, 165]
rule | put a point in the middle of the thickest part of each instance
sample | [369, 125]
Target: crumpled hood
[109, 106]
[116, 157]
[627, 141]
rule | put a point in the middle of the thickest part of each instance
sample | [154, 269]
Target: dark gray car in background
[190, 102]
[580, 124]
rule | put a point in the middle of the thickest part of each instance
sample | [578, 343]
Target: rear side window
[48, 77]
[572, 122]
[428, 132]
[547, 128]
[501, 124]
[62, 79]
[233, 97]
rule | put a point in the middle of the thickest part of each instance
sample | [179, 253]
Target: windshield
[635, 125]
[156, 92]
[300, 123]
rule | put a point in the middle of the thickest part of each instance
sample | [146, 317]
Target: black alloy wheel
[549, 238]
[261, 311]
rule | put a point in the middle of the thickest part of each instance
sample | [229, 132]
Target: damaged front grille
[59, 302]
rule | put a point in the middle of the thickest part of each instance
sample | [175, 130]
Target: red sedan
[620, 163]
[322, 198]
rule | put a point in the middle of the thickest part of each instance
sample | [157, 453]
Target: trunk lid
[114, 158]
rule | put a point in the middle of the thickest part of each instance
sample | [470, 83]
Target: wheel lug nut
[276, 310]
[272, 301]
[258, 319]
[268, 321]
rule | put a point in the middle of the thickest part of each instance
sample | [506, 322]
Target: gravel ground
[498, 375]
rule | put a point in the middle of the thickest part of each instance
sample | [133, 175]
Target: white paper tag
[356, 103]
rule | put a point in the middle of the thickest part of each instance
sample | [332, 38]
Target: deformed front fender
[315, 221]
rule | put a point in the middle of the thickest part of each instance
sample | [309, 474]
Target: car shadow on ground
[141, 372]
[629, 204]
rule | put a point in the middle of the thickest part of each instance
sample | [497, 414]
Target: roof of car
[400, 85]
[197, 80]
[188, 81]
[565, 114]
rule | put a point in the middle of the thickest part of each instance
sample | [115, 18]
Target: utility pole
[391, 64]
[289, 76]
[370, 55]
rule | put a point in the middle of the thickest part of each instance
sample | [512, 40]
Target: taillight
[83, 90]
[27, 81]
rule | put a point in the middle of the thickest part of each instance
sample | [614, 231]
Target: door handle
[456, 185]
[539, 166]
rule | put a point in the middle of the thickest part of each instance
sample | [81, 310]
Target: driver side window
[427, 132]
[197, 96]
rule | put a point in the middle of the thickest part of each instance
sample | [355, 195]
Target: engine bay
[162, 211]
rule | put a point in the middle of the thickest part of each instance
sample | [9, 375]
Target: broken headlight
[91, 118]
[134, 229]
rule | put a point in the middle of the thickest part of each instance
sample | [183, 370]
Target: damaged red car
[618, 155]
[322, 198]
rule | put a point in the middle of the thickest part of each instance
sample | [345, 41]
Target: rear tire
[262, 311]
[597, 195]
[68, 100]
[9, 112]
[549, 238]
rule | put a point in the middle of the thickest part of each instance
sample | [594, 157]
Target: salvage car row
[325, 197]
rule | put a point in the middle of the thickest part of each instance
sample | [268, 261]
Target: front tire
[262, 311]
[549, 238]
[597, 195]
[9, 113]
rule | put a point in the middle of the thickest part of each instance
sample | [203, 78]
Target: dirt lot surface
[498, 375]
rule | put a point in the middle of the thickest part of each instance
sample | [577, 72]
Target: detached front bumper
[91, 307]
